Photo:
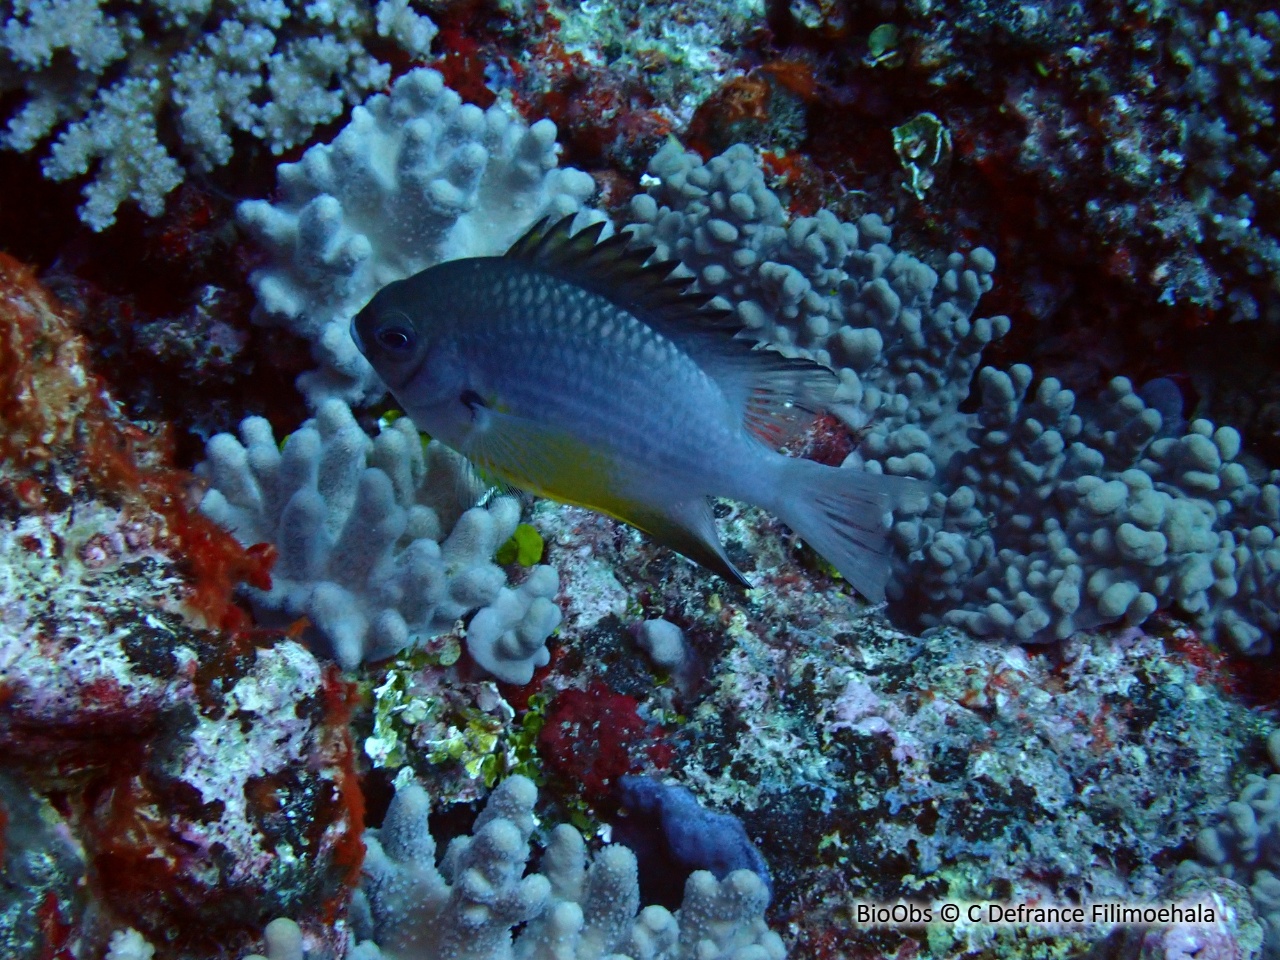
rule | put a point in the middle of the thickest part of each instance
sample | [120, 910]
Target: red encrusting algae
[591, 737]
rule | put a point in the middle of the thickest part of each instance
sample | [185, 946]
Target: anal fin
[689, 528]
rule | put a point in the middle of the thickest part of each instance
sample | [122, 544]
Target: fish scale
[584, 377]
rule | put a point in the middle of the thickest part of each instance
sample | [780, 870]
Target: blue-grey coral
[1057, 521]
[1244, 846]
[680, 833]
[416, 178]
[380, 544]
[902, 338]
[1047, 520]
[106, 81]
[465, 906]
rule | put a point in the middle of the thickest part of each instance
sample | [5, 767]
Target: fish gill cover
[293, 690]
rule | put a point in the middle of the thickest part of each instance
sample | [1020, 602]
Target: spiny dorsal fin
[621, 273]
[774, 394]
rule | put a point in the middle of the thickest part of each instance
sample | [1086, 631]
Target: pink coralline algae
[184, 757]
[62, 430]
[205, 774]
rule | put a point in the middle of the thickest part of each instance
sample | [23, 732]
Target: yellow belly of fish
[565, 469]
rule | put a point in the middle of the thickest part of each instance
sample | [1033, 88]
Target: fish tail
[840, 513]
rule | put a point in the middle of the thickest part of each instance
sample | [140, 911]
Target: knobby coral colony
[320, 692]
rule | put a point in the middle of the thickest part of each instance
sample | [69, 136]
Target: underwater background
[279, 676]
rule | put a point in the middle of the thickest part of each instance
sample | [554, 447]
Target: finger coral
[1048, 520]
[380, 544]
[1056, 522]
[417, 177]
[902, 337]
[465, 906]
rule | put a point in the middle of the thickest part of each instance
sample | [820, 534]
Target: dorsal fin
[621, 273]
[772, 393]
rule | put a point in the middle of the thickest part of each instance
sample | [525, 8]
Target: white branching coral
[105, 80]
[415, 904]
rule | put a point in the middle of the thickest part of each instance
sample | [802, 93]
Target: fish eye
[395, 337]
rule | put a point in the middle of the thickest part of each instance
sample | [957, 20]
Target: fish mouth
[355, 335]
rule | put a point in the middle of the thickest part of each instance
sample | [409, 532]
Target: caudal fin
[840, 513]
